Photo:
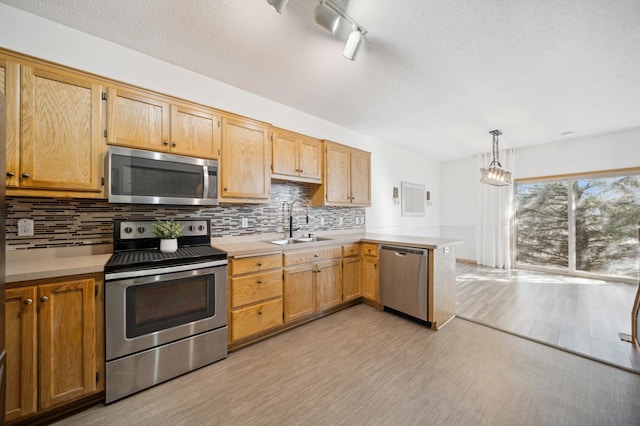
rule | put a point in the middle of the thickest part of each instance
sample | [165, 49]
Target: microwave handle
[205, 187]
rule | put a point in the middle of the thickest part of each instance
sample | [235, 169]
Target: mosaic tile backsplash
[60, 222]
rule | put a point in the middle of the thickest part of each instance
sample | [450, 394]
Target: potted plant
[168, 231]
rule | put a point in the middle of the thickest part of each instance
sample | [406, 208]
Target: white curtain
[493, 231]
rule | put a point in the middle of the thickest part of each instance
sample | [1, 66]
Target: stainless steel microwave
[136, 176]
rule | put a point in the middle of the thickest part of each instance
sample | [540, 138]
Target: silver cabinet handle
[10, 174]
[44, 298]
[28, 301]
[25, 175]
[173, 144]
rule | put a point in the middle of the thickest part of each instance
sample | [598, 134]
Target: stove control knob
[141, 229]
[200, 228]
[128, 230]
[191, 228]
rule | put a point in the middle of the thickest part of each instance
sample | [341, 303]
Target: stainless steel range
[165, 313]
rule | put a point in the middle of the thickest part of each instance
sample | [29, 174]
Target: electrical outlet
[340, 221]
[25, 227]
[321, 220]
[245, 223]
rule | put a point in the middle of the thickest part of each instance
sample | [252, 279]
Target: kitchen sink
[285, 241]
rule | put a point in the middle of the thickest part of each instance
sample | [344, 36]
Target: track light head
[278, 5]
[353, 44]
[326, 17]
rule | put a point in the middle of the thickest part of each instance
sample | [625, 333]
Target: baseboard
[470, 261]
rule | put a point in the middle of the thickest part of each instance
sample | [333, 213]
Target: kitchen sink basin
[285, 241]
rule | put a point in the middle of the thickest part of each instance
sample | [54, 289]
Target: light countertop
[27, 265]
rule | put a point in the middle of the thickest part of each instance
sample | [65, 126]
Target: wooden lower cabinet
[255, 295]
[351, 283]
[312, 282]
[54, 344]
[370, 273]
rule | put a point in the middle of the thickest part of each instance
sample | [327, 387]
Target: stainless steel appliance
[145, 177]
[165, 313]
[3, 355]
[403, 280]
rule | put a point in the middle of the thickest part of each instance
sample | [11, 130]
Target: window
[586, 224]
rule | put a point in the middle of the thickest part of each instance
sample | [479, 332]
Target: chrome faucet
[291, 214]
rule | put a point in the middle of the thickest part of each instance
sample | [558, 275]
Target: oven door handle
[162, 274]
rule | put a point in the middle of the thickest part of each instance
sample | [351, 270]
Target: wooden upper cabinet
[139, 120]
[347, 177]
[337, 175]
[244, 161]
[60, 145]
[296, 157]
[360, 178]
[10, 87]
[195, 132]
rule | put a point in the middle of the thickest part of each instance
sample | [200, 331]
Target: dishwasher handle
[403, 251]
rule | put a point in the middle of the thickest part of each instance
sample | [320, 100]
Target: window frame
[569, 178]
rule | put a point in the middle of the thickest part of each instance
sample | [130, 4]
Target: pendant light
[495, 174]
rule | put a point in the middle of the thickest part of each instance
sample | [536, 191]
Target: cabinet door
[67, 341]
[244, 167]
[195, 132]
[360, 178]
[10, 87]
[299, 295]
[20, 328]
[351, 287]
[370, 279]
[61, 131]
[136, 120]
[310, 159]
[337, 177]
[329, 284]
[285, 153]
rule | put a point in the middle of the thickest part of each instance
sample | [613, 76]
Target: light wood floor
[362, 366]
[578, 314]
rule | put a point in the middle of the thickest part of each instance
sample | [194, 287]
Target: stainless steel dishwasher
[403, 280]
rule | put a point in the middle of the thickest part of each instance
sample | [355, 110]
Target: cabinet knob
[173, 144]
[44, 298]
[25, 175]
[315, 255]
[28, 301]
[225, 188]
[259, 281]
[301, 171]
[10, 174]
[259, 312]
[165, 142]
[259, 264]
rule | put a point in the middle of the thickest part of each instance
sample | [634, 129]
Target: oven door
[150, 311]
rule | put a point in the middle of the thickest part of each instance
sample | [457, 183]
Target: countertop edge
[44, 267]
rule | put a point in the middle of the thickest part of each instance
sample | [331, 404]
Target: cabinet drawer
[255, 287]
[254, 319]
[351, 250]
[369, 249]
[255, 263]
[305, 256]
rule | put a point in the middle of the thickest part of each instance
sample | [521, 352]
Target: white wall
[32, 35]
[460, 178]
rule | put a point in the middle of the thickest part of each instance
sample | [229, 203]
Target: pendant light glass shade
[353, 45]
[495, 174]
[326, 17]
[278, 5]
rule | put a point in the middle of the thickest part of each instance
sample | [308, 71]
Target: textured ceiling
[433, 75]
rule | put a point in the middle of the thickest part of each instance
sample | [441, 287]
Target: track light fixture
[327, 15]
[278, 5]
